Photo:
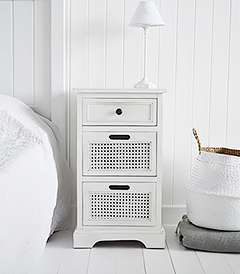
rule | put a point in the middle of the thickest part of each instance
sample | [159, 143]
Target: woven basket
[213, 191]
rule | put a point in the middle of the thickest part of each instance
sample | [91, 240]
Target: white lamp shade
[146, 15]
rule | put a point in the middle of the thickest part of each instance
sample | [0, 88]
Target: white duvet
[34, 178]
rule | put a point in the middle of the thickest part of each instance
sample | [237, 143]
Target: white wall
[33, 59]
[195, 57]
[25, 66]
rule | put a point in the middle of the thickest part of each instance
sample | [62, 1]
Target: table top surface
[118, 90]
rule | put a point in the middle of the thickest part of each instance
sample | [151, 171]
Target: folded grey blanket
[204, 239]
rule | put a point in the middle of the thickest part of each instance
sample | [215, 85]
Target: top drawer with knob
[110, 112]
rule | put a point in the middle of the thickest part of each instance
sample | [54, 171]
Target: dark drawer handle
[119, 111]
[119, 137]
[119, 187]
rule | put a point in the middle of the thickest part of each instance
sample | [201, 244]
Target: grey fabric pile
[204, 239]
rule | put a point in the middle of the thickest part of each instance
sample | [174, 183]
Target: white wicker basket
[213, 191]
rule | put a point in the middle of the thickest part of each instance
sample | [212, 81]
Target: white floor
[131, 258]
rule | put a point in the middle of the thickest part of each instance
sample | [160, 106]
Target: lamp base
[145, 83]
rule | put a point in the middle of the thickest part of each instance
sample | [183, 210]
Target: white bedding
[34, 179]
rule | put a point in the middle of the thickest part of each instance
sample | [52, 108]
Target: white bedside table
[119, 166]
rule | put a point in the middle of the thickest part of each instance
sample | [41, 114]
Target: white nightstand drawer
[119, 153]
[111, 203]
[119, 112]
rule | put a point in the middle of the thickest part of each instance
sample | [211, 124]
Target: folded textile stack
[212, 222]
[204, 239]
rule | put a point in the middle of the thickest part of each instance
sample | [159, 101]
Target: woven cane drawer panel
[135, 155]
[121, 204]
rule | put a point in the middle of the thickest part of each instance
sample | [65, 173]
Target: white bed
[34, 179]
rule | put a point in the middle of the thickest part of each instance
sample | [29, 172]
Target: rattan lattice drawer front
[125, 154]
[119, 112]
[119, 203]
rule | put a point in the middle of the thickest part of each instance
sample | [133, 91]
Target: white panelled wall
[195, 57]
[25, 67]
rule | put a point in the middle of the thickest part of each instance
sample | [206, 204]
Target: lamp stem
[145, 52]
[145, 83]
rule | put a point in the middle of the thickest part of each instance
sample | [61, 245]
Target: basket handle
[197, 138]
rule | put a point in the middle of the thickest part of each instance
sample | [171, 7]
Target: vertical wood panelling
[153, 51]
[167, 80]
[183, 105]
[219, 73]
[59, 69]
[79, 43]
[6, 57]
[114, 43]
[96, 43]
[132, 47]
[42, 60]
[233, 122]
[23, 51]
[195, 57]
[202, 73]
[25, 67]
[79, 76]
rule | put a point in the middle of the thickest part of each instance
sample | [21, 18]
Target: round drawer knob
[118, 111]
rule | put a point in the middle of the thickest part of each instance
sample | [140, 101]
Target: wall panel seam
[87, 46]
[67, 74]
[34, 54]
[228, 72]
[123, 44]
[193, 83]
[210, 77]
[174, 103]
[158, 49]
[105, 45]
[12, 49]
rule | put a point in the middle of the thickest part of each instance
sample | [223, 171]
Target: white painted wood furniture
[119, 166]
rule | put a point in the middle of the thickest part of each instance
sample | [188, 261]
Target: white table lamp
[146, 15]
